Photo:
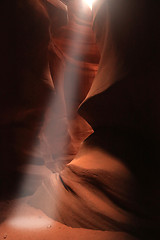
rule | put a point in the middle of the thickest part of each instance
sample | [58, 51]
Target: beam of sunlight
[53, 128]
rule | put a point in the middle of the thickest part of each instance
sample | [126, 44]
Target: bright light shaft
[89, 3]
[55, 131]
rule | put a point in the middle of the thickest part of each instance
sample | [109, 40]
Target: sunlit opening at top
[89, 3]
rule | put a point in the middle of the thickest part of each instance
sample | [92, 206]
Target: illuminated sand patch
[25, 217]
[29, 222]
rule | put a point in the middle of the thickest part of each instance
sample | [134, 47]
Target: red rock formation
[38, 54]
[26, 85]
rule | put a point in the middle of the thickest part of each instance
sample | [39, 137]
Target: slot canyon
[80, 120]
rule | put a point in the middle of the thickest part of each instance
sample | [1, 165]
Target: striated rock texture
[113, 182]
[26, 85]
[41, 60]
[49, 70]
